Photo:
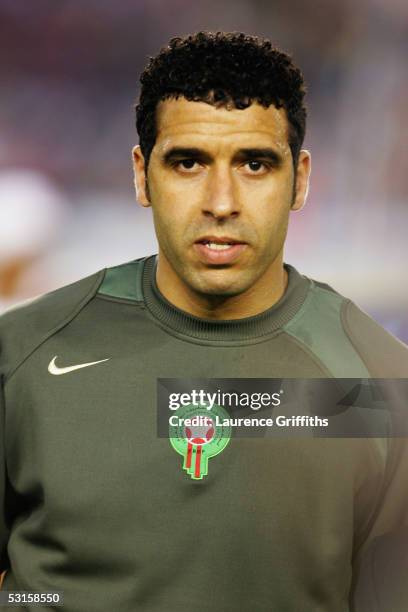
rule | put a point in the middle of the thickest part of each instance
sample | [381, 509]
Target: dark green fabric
[385, 356]
[318, 325]
[25, 327]
[124, 281]
[237, 331]
[101, 507]
[3, 479]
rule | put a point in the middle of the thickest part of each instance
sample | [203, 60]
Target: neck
[263, 294]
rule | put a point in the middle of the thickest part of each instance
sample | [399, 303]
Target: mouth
[219, 249]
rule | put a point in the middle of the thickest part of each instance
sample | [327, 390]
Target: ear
[140, 178]
[302, 180]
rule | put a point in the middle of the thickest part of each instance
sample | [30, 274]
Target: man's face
[219, 177]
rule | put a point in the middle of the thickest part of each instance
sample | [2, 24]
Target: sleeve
[3, 522]
[380, 569]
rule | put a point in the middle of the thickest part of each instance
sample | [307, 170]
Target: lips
[219, 249]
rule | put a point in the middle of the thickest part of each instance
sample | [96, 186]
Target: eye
[256, 166]
[186, 165]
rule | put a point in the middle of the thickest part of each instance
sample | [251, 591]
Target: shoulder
[345, 338]
[384, 354]
[25, 326]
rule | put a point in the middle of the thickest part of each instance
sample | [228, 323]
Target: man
[95, 504]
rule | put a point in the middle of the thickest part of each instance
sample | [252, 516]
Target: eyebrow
[242, 155]
[177, 153]
[267, 154]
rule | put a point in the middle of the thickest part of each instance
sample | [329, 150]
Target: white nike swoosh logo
[56, 371]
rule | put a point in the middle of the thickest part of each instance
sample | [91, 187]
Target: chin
[220, 287]
[221, 292]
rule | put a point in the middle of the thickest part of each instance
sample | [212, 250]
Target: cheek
[176, 214]
[270, 215]
[164, 218]
[273, 192]
[172, 199]
[170, 220]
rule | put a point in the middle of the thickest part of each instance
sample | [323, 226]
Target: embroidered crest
[198, 435]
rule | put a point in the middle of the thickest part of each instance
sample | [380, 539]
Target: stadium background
[69, 78]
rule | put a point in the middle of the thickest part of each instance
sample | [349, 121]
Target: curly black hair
[222, 68]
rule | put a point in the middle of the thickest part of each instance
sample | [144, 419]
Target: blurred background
[68, 82]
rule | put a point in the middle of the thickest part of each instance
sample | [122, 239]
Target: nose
[222, 198]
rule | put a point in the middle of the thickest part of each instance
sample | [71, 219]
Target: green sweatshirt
[95, 504]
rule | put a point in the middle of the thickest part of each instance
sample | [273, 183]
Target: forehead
[181, 122]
